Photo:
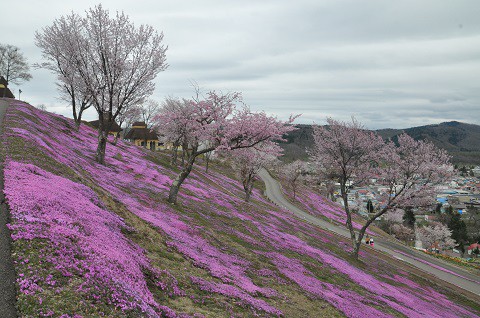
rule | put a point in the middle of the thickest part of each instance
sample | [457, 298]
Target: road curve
[438, 268]
[7, 271]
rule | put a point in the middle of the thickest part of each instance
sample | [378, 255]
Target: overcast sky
[394, 64]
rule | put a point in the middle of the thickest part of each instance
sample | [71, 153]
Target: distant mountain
[461, 140]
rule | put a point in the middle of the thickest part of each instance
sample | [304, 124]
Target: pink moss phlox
[407, 301]
[40, 200]
[349, 302]
[168, 283]
[232, 291]
[72, 211]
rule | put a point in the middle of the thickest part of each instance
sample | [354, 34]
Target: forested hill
[461, 140]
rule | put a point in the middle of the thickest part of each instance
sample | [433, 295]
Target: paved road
[7, 272]
[440, 269]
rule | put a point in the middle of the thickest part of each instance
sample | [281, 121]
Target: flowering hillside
[92, 240]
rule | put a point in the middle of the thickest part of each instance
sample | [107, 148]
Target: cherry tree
[55, 41]
[172, 130]
[207, 156]
[216, 123]
[436, 236]
[409, 169]
[13, 65]
[247, 162]
[392, 217]
[402, 232]
[293, 171]
[116, 63]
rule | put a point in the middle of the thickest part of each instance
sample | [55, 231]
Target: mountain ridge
[460, 140]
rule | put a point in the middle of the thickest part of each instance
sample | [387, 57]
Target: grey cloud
[391, 64]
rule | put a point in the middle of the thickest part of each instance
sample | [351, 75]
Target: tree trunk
[5, 89]
[349, 219]
[175, 187]
[248, 187]
[102, 145]
[247, 196]
[174, 155]
[356, 247]
[77, 119]
[77, 125]
[184, 150]
[207, 161]
[356, 241]
[74, 105]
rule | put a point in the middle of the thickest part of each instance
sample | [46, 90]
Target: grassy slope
[93, 240]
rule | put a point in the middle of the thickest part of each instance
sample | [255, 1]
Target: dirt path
[7, 272]
[443, 271]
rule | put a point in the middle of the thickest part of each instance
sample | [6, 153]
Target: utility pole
[19, 92]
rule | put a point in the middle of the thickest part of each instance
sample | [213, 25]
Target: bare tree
[115, 61]
[55, 41]
[148, 111]
[128, 116]
[13, 65]
[42, 107]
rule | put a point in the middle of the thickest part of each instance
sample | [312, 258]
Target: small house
[114, 130]
[4, 90]
[459, 208]
[472, 248]
[142, 136]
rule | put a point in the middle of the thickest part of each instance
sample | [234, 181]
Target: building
[114, 130]
[4, 90]
[141, 136]
[476, 171]
[472, 248]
